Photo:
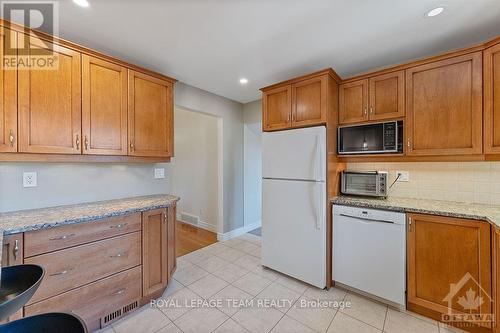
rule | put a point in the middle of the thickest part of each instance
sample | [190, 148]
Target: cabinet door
[104, 107]
[154, 251]
[492, 100]
[151, 118]
[309, 102]
[12, 254]
[448, 257]
[387, 99]
[444, 107]
[496, 277]
[50, 102]
[353, 102]
[8, 95]
[171, 234]
[277, 108]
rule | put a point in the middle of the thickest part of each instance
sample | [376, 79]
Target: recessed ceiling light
[243, 81]
[81, 3]
[435, 11]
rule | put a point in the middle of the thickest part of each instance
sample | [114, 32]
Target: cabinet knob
[15, 250]
[371, 109]
[409, 143]
[86, 142]
[366, 111]
[131, 145]
[77, 141]
[11, 138]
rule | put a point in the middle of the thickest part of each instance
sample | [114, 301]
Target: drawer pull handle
[15, 251]
[62, 237]
[118, 226]
[119, 255]
[60, 273]
[119, 292]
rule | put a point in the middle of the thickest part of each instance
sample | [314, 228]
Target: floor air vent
[114, 316]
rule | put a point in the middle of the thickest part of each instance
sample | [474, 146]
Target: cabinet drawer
[80, 265]
[95, 300]
[48, 240]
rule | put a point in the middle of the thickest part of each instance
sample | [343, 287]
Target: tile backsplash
[471, 182]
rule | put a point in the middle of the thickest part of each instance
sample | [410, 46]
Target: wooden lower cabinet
[449, 269]
[171, 236]
[12, 254]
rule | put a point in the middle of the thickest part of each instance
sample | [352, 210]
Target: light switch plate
[30, 179]
[404, 176]
[159, 173]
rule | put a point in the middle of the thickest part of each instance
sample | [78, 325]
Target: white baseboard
[201, 224]
[238, 232]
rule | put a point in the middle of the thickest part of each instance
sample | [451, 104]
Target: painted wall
[252, 162]
[62, 184]
[194, 170]
[195, 99]
[473, 182]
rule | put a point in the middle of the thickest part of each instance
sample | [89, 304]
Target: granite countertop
[36, 219]
[488, 213]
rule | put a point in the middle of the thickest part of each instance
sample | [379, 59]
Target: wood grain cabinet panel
[447, 257]
[444, 107]
[495, 236]
[171, 235]
[353, 102]
[154, 251]
[12, 254]
[387, 96]
[8, 93]
[277, 108]
[309, 98]
[50, 101]
[104, 107]
[492, 100]
[150, 116]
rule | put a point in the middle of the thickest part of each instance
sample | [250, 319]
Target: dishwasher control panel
[369, 214]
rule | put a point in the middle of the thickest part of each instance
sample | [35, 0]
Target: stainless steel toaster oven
[373, 183]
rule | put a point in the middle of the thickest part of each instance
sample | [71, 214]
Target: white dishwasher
[369, 251]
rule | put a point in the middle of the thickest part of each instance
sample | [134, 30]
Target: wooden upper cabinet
[447, 257]
[492, 100]
[353, 102]
[309, 98]
[104, 107]
[50, 101]
[277, 108]
[150, 116]
[154, 251]
[8, 93]
[387, 96]
[444, 107]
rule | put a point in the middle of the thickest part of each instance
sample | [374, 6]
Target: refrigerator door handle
[319, 207]
[317, 159]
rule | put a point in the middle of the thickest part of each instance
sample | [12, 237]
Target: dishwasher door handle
[368, 220]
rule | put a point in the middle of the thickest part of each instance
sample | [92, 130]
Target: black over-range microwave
[378, 138]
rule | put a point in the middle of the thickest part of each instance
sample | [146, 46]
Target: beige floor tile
[252, 283]
[267, 273]
[230, 272]
[183, 263]
[208, 285]
[366, 310]
[232, 299]
[189, 275]
[248, 262]
[197, 256]
[398, 322]
[171, 328]
[173, 286]
[342, 323]
[200, 320]
[289, 325]
[444, 328]
[247, 247]
[258, 320]
[230, 326]
[279, 294]
[108, 329]
[251, 238]
[231, 255]
[292, 283]
[333, 294]
[216, 248]
[213, 264]
[312, 315]
[178, 303]
[233, 242]
[145, 320]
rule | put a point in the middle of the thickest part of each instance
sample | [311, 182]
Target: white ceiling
[210, 44]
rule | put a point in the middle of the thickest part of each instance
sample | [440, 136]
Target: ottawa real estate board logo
[28, 35]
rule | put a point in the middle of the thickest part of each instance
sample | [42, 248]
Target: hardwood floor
[190, 238]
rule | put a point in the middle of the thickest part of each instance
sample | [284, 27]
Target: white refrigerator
[293, 203]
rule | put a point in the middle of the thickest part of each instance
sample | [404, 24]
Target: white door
[295, 154]
[293, 229]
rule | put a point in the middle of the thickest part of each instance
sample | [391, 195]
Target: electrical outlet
[29, 179]
[404, 176]
[159, 173]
